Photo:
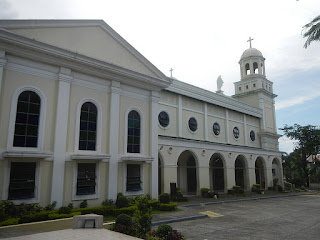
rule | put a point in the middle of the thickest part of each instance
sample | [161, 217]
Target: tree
[308, 143]
[312, 31]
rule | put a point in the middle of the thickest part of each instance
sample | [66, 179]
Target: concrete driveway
[279, 218]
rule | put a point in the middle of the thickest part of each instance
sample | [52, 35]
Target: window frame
[96, 195]
[133, 193]
[142, 138]
[162, 127]
[216, 135]
[13, 114]
[193, 132]
[238, 133]
[98, 128]
[254, 136]
[37, 181]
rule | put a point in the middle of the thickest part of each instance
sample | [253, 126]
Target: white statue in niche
[219, 84]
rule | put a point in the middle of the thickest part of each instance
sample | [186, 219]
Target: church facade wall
[95, 129]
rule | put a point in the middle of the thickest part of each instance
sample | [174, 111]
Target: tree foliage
[296, 167]
[312, 31]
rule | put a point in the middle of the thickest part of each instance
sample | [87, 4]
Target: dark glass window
[27, 120]
[163, 119]
[236, 132]
[216, 128]
[133, 177]
[86, 180]
[22, 180]
[88, 127]
[252, 136]
[134, 130]
[193, 125]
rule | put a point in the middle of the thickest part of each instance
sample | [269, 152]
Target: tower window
[255, 68]
[247, 68]
[254, 85]
[239, 88]
[247, 87]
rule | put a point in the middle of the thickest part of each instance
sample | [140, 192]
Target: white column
[245, 130]
[205, 121]
[179, 116]
[60, 136]
[154, 99]
[114, 140]
[227, 127]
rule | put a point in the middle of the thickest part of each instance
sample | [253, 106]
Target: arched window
[255, 68]
[26, 129]
[247, 68]
[88, 127]
[134, 130]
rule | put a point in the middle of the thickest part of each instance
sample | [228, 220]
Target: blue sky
[203, 39]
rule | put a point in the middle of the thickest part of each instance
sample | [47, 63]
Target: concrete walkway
[78, 234]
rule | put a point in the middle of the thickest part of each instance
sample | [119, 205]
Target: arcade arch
[187, 173]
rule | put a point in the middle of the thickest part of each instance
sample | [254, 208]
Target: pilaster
[114, 140]
[227, 127]
[154, 99]
[245, 130]
[205, 121]
[60, 139]
[179, 116]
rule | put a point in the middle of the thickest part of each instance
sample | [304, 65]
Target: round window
[193, 125]
[216, 128]
[252, 136]
[163, 119]
[236, 132]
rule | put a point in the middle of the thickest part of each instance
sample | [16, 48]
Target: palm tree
[312, 31]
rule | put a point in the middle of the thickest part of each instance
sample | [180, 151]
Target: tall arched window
[88, 127]
[134, 130]
[27, 120]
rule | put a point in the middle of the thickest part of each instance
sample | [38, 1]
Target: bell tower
[256, 90]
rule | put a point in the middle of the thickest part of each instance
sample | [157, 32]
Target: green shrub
[43, 216]
[102, 210]
[3, 215]
[167, 207]
[64, 210]
[204, 192]
[127, 210]
[9, 209]
[164, 230]
[51, 206]
[84, 204]
[108, 202]
[154, 204]
[237, 190]
[143, 217]
[9, 221]
[70, 205]
[256, 188]
[124, 219]
[53, 216]
[178, 197]
[122, 202]
[164, 198]
[279, 188]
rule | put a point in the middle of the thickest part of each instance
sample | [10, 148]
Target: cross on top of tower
[250, 40]
[171, 70]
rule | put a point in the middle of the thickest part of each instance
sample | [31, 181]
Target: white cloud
[296, 100]
[286, 144]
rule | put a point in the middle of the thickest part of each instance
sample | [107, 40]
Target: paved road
[281, 218]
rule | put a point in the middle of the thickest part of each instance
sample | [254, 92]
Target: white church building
[83, 116]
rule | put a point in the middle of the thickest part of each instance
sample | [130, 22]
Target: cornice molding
[39, 51]
[263, 91]
[213, 98]
[28, 154]
[189, 143]
[137, 159]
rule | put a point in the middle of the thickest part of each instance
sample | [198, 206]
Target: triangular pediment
[92, 38]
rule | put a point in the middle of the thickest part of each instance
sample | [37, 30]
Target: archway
[240, 172]
[259, 170]
[217, 172]
[276, 171]
[187, 173]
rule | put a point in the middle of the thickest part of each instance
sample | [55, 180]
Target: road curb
[179, 219]
[242, 200]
